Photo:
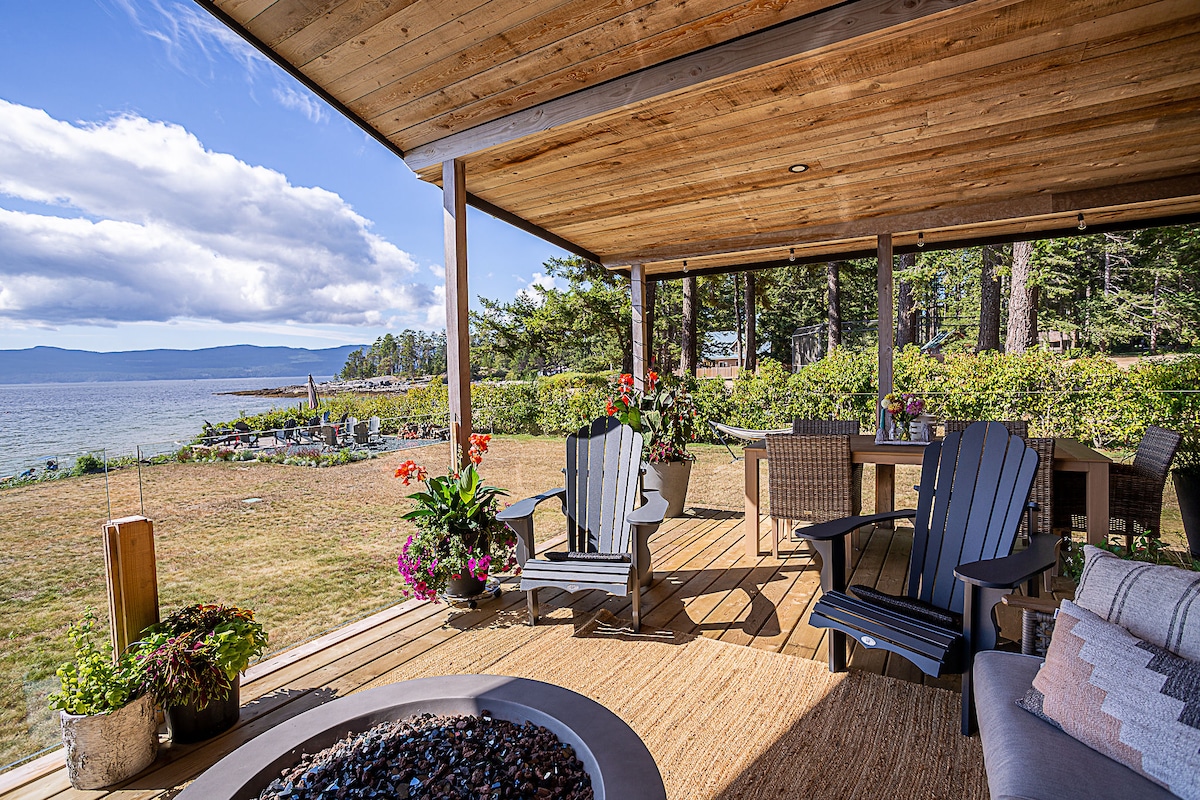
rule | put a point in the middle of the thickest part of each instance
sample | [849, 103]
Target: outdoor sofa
[1027, 758]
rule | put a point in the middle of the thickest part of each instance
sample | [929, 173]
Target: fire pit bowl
[620, 766]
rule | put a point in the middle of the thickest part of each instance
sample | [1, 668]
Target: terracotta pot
[105, 749]
[670, 479]
[186, 724]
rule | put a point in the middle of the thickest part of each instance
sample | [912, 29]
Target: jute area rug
[725, 721]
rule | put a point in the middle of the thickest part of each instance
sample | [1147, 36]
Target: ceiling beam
[818, 30]
[1068, 230]
[527, 226]
[1041, 205]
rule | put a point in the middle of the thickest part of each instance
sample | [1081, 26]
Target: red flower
[409, 470]
[610, 409]
[481, 440]
[651, 379]
[476, 455]
[625, 380]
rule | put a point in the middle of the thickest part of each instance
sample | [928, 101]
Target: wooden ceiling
[662, 131]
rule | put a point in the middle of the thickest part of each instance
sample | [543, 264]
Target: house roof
[659, 131]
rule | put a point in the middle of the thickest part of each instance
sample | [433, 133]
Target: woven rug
[725, 721]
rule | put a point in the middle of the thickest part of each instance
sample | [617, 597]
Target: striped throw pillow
[1156, 603]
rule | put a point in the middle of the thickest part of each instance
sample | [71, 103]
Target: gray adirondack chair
[607, 537]
[974, 493]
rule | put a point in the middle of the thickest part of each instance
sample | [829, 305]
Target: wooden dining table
[1069, 456]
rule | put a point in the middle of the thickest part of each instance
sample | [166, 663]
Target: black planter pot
[466, 586]
[186, 725]
[1187, 490]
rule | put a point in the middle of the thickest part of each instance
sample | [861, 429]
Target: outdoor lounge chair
[607, 534]
[973, 494]
[374, 437]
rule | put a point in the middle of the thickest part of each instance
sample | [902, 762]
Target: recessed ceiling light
[798, 168]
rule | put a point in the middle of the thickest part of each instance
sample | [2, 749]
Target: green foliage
[93, 683]
[193, 656]
[408, 353]
[87, 463]
[1149, 550]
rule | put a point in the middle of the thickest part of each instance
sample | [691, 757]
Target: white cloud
[539, 280]
[307, 104]
[133, 220]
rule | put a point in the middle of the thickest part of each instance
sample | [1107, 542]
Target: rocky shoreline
[388, 384]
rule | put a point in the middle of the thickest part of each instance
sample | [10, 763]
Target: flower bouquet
[900, 420]
[459, 541]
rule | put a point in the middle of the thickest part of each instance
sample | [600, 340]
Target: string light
[791, 254]
[921, 239]
[1082, 224]
[685, 266]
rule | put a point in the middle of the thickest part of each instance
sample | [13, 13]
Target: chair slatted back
[604, 461]
[1018, 426]
[824, 427]
[973, 493]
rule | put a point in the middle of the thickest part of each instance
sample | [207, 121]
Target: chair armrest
[524, 508]
[1013, 570]
[1046, 605]
[650, 512]
[840, 527]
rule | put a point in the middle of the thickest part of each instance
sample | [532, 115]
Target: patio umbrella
[312, 393]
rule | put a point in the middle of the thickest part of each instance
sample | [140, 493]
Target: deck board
[704, 585]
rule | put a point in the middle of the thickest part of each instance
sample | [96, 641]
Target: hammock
[745, 434]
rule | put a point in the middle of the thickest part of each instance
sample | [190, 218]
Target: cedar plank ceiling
[661, 131]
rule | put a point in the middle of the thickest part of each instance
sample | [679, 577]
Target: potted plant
[459, 541]
[666, 416]
[192, 662]
[902, 418]
[109, 728]
[1185, 473]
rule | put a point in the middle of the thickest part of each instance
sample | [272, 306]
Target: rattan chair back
[825, 427]
[1155, 453]
[811, 478]
[1018, 427]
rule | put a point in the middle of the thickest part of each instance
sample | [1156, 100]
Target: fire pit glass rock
[614, 757]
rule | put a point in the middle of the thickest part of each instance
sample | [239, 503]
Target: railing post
[132, 578]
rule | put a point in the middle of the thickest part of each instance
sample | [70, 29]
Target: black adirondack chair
[974, 490]
[607, 536]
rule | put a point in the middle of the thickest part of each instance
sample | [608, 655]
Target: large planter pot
[465, 587]
[105, 749]
[670, 479]
[186, 724]
[1187, 491]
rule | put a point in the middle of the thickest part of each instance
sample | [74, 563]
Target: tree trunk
[687, 353]
[989, 300]
[737, 313]
[751, 319]
[651, 302]
[1154, 315]
[906, 328]
[1022, 303]
[833, 278]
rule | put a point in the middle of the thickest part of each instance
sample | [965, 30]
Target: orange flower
[625, 380]
[409, 470]
[609, 408]
[651, 379]
[480, 440]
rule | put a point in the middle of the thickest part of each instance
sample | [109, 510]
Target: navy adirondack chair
[607, 537]
[974, 490]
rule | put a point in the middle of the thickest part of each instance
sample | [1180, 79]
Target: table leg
[1097, 503]
[750, 524]
[885, 490]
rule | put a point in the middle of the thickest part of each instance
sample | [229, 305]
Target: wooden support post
[641, 332]
[887, 317]
[458, 342]
[132, 579]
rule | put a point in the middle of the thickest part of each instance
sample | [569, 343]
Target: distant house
[719, 357]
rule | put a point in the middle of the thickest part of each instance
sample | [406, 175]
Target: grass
[315, 551]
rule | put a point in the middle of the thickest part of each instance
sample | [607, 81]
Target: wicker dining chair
[1018, 427]
[1135, 491]
[1043, 489]
[825, 427]
[810, 479]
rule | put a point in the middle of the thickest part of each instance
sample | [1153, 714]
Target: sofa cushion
[1130, 700]
[1156, 603]
[1028, 759]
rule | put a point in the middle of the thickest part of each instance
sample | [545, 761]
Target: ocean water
[59, 420]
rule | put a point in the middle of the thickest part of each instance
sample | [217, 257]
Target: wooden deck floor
[704, 584]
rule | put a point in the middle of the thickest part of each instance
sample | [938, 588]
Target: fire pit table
[620, 766]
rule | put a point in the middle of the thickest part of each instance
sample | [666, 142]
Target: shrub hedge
[1092, 398]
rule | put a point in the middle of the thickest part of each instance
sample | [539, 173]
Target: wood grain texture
[654, 131]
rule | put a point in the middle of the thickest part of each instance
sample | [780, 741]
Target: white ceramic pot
[670, 479]
[106, 749]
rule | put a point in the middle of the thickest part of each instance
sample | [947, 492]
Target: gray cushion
[1028, 759]
[1156, 603]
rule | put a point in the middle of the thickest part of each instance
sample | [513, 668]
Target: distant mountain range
[56, 365]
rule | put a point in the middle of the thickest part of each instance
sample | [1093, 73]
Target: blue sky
[163, 185]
